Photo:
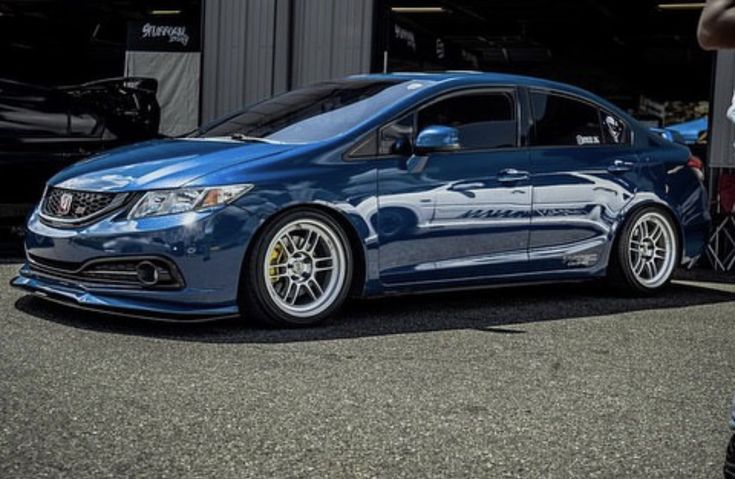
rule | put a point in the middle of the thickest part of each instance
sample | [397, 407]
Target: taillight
[697, 165]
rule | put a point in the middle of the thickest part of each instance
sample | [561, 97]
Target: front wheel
[646, 253]
[299, 271]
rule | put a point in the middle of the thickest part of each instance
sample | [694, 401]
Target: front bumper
[206, 251]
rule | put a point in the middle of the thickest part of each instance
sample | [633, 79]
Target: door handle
[511, 175]
[620, 166]
[468, 186]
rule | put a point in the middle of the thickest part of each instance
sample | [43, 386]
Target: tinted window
[367, 148]
[484, 120]
[562, 121]
[315, 113]
[614, 130]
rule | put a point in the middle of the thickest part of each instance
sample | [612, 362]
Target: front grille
[75, 207]
[120, 272]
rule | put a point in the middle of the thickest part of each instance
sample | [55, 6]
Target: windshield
[315, 113]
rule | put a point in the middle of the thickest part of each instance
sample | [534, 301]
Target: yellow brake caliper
[273, 272]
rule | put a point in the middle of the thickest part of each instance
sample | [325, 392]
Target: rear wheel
[299, 271]
[646, 253]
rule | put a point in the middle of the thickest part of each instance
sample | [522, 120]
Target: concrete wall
[253, 49]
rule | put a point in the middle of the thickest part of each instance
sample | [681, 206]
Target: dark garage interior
[51, 42]
[623, 50]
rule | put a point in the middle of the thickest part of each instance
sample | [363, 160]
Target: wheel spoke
[310, 289]
[284, 241]
[651, 269]
[296, 293]
[277, 276]
[316, 286]
[287, 290]
[306, 246]
[657, 233]
[639, 265]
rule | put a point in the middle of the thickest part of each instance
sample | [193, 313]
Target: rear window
[614, 130]
[563, 121]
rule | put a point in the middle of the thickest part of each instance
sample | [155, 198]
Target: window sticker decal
[614, 127]
[588, 140]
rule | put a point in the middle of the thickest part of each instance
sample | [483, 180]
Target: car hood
[161, 164]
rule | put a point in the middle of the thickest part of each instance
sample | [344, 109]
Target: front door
[466, 215]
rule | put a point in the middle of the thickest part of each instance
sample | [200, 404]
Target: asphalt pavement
[547, 381]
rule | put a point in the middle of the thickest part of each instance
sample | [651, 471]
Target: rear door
[582, 166]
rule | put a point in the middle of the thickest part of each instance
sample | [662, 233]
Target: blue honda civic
[368, 186]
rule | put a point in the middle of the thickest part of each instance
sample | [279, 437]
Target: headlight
[182, 200]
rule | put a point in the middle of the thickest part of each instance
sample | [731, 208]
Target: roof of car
[459, 76]
[477, 77]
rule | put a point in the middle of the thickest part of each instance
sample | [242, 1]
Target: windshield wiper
[254, 139]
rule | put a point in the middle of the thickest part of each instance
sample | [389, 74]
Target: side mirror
[432, 139]
[402, 147]
[437, 138]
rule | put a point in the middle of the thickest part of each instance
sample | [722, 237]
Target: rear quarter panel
[667, 181]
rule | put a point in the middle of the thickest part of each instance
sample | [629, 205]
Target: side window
[390, 134]
[484, 120]
[367, 148]
[614, 130]
[562, 121]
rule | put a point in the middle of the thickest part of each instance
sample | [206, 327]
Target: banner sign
[163, 35]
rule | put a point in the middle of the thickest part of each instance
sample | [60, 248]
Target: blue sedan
[367, 186]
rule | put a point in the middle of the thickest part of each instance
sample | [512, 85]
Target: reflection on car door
[479, 197]
[581, 162]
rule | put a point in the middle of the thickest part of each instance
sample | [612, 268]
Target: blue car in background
[691, 131]
[367, 186]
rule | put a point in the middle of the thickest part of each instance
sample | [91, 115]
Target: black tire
[621, 275]
[255, 300]
[730, 460]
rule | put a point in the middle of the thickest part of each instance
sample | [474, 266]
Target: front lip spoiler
[156, 317]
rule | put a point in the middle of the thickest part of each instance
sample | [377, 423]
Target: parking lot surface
[544, 381]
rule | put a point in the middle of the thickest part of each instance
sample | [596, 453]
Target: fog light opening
[147, 273]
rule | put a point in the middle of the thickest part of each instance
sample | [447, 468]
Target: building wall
[332, 39]
[257, 48]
